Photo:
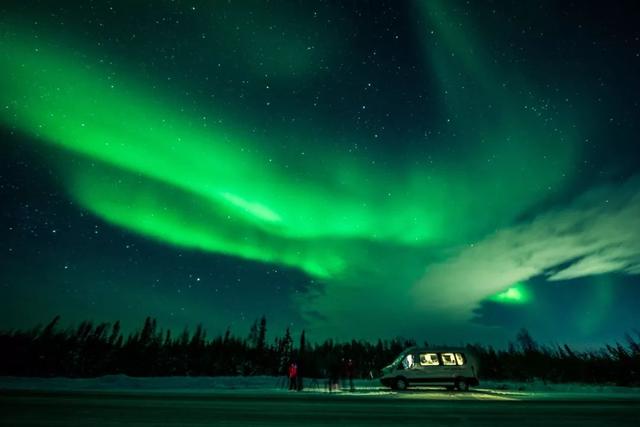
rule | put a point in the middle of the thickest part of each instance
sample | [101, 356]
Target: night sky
[442, 170]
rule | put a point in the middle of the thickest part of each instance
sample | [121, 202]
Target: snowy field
[269, 384]
[264, 401]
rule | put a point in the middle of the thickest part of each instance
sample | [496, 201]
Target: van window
[429, 359]
[448, 359]
[460, 358]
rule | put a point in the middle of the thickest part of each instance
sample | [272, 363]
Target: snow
[179, 383]
[123, 382]
[267, 384]
[564, 391]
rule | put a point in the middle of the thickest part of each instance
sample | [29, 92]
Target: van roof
[437, 349]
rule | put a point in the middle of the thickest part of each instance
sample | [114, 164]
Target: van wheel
[401, 384]
[462, 384]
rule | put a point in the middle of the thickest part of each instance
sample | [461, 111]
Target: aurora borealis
[430, 163]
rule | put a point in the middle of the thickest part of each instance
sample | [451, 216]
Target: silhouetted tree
[262, 334]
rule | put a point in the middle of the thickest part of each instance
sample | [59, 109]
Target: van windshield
[399, 359]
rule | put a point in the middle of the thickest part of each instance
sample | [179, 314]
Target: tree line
[91, 350]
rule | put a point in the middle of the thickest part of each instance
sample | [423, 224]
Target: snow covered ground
[173, 384]
[259, 384]
[123, 383]
[540, 386]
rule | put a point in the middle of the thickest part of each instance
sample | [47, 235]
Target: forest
[91, 350]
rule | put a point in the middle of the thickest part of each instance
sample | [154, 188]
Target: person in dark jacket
[349, 372]
[334, 374]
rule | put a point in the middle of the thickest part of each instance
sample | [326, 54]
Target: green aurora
[445, 170]
[517, 294]
[144, 163]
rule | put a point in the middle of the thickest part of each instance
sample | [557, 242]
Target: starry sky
[442, 170]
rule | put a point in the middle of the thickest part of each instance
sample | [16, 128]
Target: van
[436, 366]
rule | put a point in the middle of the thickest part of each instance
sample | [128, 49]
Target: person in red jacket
[293, 376]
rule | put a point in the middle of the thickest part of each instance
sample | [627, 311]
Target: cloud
[598, 233]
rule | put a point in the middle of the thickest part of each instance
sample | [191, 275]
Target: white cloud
[598, 233]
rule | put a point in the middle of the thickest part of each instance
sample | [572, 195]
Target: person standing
[349, 371]
[334, 374]
[293, 376]
[299, 375]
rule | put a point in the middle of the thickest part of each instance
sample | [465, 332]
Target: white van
[436, 366]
